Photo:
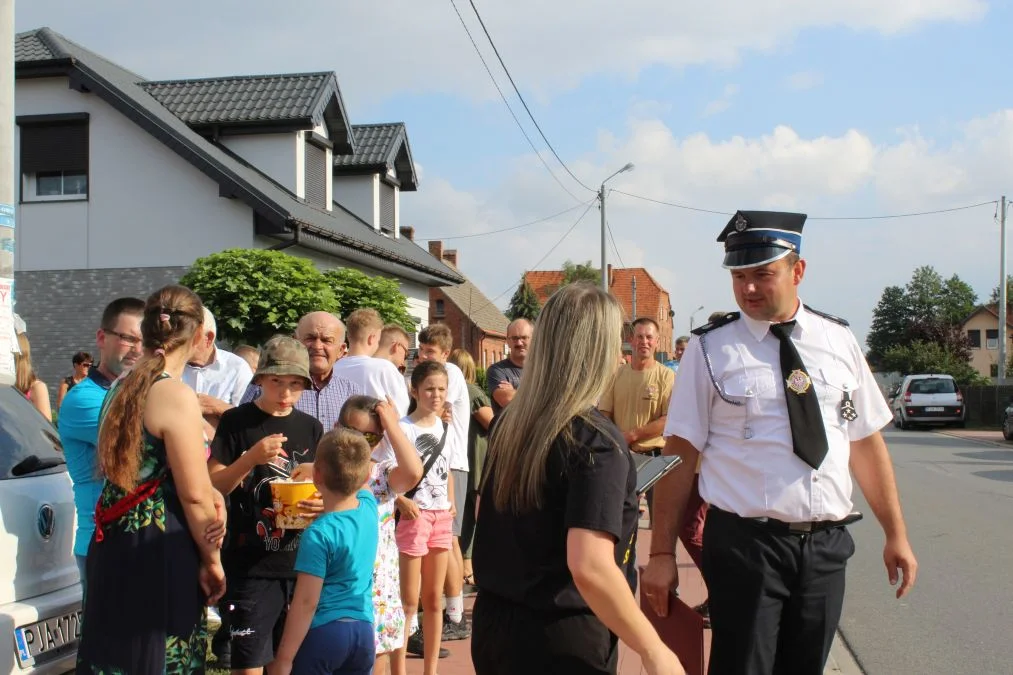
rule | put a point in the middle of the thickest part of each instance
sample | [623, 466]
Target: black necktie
[808, 435]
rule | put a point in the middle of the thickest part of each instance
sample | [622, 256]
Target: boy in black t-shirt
[256, 443]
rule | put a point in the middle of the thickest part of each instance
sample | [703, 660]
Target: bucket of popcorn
[286, 495]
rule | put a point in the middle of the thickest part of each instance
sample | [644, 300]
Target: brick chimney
[408, 232]
[450, 257]
[436, 249]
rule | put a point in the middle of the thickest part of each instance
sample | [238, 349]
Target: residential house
[982, 329]
[636, 290]
[124, 182]
[477, 324]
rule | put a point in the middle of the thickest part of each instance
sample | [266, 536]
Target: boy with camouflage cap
[258, 442]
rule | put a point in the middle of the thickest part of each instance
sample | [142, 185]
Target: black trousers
[508, 639]
[775, 598]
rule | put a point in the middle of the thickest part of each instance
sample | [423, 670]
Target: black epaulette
[828, 317]
[717, 323]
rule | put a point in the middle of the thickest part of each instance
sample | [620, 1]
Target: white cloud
[850, 174]
[804, 79]
[721, 104]
[380, 49]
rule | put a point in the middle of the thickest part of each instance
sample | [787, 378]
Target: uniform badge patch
[799, 382]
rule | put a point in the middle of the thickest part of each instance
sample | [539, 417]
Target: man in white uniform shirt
[779, 401]
[366, 375]
[220, 378]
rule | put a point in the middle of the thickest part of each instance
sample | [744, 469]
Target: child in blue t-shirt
[330, 621]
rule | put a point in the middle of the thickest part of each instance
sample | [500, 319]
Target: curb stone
[841, 661]
[982, 441]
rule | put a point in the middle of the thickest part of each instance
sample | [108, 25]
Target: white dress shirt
[748, 466]
[226, 377]
[374, 377]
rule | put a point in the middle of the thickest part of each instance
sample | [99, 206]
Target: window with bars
[54, 157]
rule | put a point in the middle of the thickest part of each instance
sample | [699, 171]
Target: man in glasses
[504, 376]
[119, 346]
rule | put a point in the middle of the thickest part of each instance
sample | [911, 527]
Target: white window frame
[30, 186]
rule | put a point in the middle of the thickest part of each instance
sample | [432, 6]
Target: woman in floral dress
[396, 469]
[151, 566]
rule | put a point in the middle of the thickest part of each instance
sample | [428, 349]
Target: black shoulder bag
[437, 452]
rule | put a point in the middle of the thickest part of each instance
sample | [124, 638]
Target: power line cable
[614, 247]
[512, 227]
[672, 204]
[547, 253]
[877, 217]
[507, 104]
[904, 215]
[523, 102]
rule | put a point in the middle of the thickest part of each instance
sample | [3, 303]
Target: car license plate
[934, 409]
[47, 636]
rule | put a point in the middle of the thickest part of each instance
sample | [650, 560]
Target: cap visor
[753, 257]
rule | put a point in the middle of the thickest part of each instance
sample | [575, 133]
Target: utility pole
[604, 225]
[1002, 290]
[604, 266]
[8, 339]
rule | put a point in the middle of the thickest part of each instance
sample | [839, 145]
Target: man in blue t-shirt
[119, 347]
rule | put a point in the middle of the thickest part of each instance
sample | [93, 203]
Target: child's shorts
[341, 646]
[431, 530]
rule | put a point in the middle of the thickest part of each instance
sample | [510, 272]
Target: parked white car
[928, 399]
[40, 589]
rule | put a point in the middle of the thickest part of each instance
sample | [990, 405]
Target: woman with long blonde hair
[554, 547]
[25, 380]
[151, 570]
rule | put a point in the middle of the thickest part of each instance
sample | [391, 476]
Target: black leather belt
[803, 527]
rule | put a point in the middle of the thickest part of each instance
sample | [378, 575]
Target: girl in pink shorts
[424, 531]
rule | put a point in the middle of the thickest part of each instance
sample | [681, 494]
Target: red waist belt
[104, 516]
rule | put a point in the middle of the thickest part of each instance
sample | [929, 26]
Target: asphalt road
[957, 497]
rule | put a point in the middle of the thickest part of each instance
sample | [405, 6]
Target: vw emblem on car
[46, 521]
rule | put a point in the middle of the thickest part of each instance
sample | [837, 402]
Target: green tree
[354, 289]
[994, 298]
[890, 321]
[524, 303]
[256, 293]
[924, 292]
[958, 300]
[929, 357]
[573, 272]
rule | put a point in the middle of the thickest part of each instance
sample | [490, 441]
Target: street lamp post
[604, 225]
[693, 315]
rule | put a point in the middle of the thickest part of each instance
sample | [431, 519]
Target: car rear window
[933, 385]
[29, 444]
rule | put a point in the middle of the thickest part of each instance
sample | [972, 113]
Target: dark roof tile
[243, 99]
[31, 47]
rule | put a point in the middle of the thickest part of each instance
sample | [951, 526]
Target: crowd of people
[425, 485]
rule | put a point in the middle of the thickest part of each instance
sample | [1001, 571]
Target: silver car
[928, 399]
[40, 589]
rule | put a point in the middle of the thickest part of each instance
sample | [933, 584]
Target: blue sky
[842, 107]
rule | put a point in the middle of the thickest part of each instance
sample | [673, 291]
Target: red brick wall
[485, 349]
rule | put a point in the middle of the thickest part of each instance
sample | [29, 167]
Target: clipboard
[652, 469]
[682, 631]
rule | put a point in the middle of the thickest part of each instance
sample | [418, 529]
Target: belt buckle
[800, 528]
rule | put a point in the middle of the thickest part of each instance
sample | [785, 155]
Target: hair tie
[160, 351]
[163, 317]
